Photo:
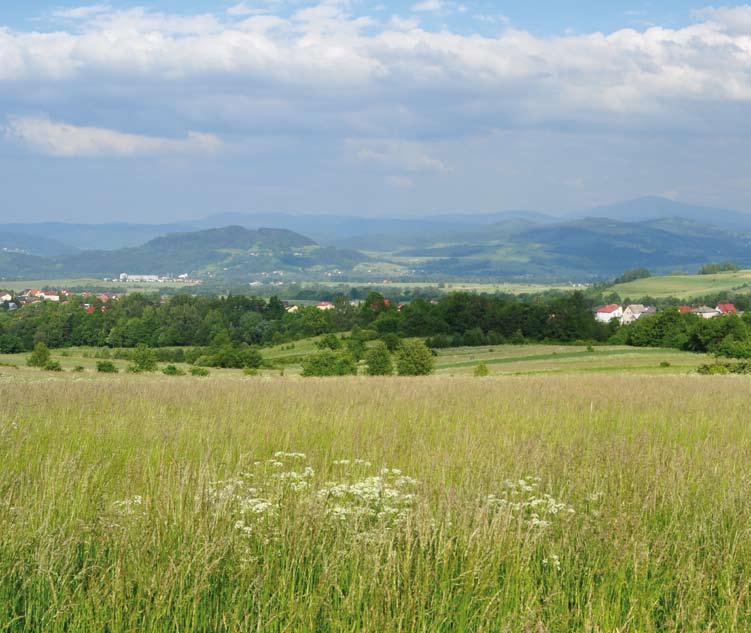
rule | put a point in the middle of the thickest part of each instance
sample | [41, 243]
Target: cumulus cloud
[429, 6]
[78, 13]
[409, 156]
[62, 139]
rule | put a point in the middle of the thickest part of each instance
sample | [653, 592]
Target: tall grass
[138, 504]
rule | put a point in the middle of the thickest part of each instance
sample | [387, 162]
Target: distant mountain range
[651, 232]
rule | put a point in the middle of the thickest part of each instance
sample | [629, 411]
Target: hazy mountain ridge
[655, 233]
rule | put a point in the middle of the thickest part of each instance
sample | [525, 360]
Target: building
[605, 314]
[705, 312]
[5, 297]
[325, 305]
[727, 308]
[635, 311]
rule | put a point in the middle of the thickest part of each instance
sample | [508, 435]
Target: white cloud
[82, 13]
[400, 182]
[409, 156]
[62, 139]
[429, 6]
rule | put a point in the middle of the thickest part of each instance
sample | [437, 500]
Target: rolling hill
[228, 252]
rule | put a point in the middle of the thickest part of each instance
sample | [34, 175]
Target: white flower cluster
[385, 498]
[270, 488]
[128, 507]
[521, 499]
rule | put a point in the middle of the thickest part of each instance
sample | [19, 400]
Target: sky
[173, 110]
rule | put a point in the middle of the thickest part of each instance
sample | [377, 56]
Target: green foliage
[40, 356]
[632, 275]
[414, 358]
[250, 371]
[79, 369]
[173, 370]
[392, 341]
[481, 371]
[143, 359]
[714, 268]
[664, 363]
[52, 365]
[329, 341]
[200, 372]
[329, 363]
[378, 360]
[106, 367]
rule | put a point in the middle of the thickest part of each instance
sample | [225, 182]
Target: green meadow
[615, 501]
[685, 286]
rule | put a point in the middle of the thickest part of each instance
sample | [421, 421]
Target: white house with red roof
[325, 305]
[605, 314]
[727, 308]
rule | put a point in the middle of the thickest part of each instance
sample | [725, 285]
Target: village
[635, 311]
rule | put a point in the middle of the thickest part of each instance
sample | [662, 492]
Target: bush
[414, 359]
[329, 363]
[199, 371]
[79, 369]
[52, 365]
[250, 371]
[329, 341]
[172, 370]
[378, 360]
[106, 367]
[664, 364]
[143, 359]
[40, 356]
[391, 341]
[481, 370]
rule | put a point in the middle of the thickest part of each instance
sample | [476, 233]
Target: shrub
[414, 359]
[664, 364]
[143, 359]
[329, 341]
[391, 341]
[106, 367]
[250, 371]
[481, 370]
[378, 360]
[52, 365]
[199, 371]
[172, 370]
[329, 363]
[40, 356]
[79, 369]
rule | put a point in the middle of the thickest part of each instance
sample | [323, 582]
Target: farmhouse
[605, 314]
[727, 308]
[705, 312]
[325, 305]
[635, 311]
[5, 297]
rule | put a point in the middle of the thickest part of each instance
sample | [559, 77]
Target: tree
[40, 356]
[391, 340]
[329, 341]
[329, 363]
[378, 360]
[414, 359]
[143, 359]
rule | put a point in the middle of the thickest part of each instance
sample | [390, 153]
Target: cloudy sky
[182, 108]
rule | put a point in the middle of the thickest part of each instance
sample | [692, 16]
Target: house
[705, 312]
[325, 305]
[293, 309]
[727, 308]
[605, 314]
[635, 311]
[5, 297]
[685, 309]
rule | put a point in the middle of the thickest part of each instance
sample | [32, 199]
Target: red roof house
[727, 308]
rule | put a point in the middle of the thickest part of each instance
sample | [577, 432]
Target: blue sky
[171, 110]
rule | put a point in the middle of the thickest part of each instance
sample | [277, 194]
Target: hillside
[686, 286]
[229, 252]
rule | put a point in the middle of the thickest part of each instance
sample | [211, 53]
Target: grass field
[521, 503]
[457, 286]
[88, 282]
[685, 286]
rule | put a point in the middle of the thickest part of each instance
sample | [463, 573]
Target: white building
[5, 297]
[635, 311]
[605, 314]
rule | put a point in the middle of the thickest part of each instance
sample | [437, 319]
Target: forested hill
[229, 250]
